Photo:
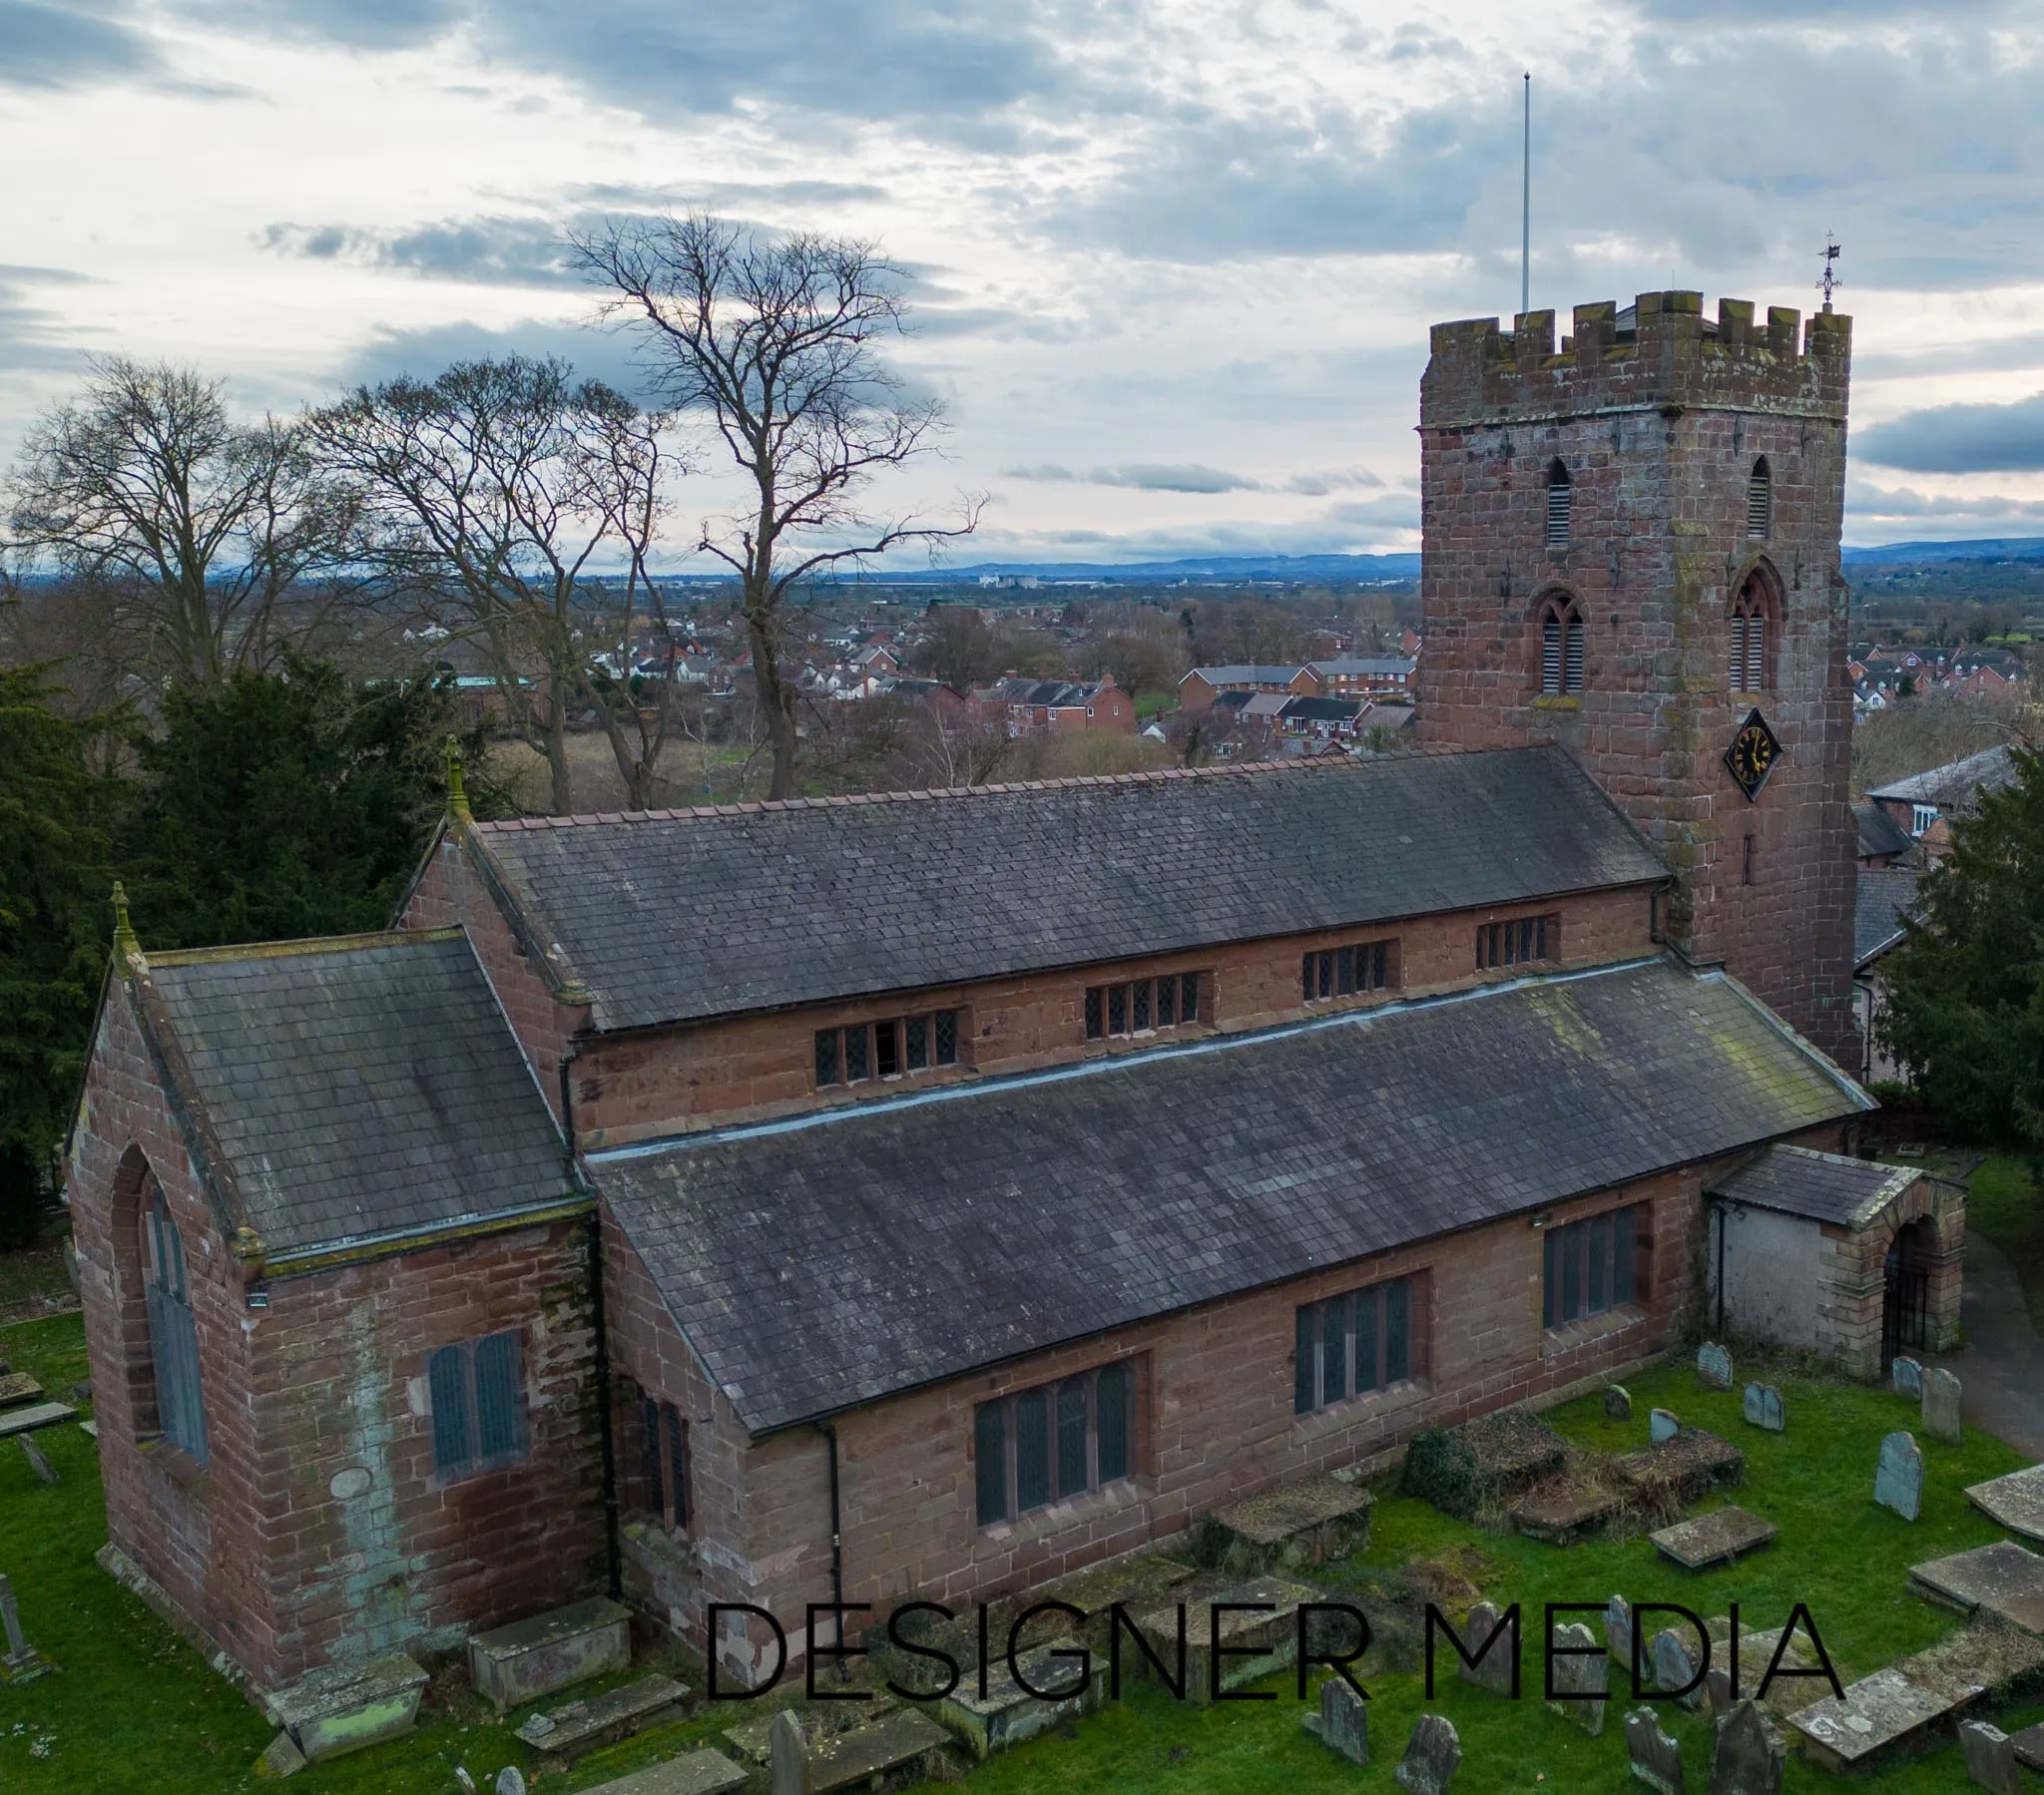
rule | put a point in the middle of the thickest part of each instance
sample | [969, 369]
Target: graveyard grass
[133, 1708]
[2005, 1202]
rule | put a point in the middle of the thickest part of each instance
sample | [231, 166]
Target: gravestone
[1764, 1407]
[1905, 1377]
[22, 1662]
[1718, 1689]
[1941, 1406]
[282, 1757]
[1746, 1757]
[1657, 1760]
[1580, 1679]
[510, 1780]
[2029, 1747]
[1494, 1672]
[463, 1781]
[1674, 1667]
[1618, 1630]
[1662, 1425]
[1618, 1402]
[1714, 1364]
[790, 1756]
[35, 1462]
[1990, 1757]
[1343, 1720]
[1898, 1480]
[1432, 1755]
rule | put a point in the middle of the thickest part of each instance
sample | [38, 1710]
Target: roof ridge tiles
[310, 943]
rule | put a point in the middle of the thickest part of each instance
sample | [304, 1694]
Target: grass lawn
[2004, 1204]
[133, 1708]
[1154, 704]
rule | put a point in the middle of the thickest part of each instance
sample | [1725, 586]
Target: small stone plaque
[2016, 1501]
[1905, 1377]
[1662, 1425]
[1763, 1408]
[1898, 1479]
[1990, 1758]
[1656, 1758]
[1713, 1539]
[1714, 1364]
[1618, 1402]
[1433, 1756]
[1941, 1406]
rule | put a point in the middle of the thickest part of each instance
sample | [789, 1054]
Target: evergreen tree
[1966, 986]
[276, 807]
[56, 808]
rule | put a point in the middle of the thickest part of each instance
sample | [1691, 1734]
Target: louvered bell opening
[1572, 657]
[1739, 653]
[1558, 494]
[1755, 652]
[1550, 656]
[1759, 493]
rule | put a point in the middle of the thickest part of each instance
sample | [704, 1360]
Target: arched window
[1760, 502]
[1748, 664]
[173, 1333]
[1561, 650]
[1559, 492]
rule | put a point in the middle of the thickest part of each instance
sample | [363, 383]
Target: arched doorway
[1905, 1295]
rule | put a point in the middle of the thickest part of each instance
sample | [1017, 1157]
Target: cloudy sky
[1172, 260]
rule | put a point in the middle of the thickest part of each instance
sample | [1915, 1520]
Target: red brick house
[1200, 688]
[909, 1195]
[1037, 706]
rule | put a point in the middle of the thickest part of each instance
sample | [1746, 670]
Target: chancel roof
[357, 1088]
[833, 1260]
[682, 915]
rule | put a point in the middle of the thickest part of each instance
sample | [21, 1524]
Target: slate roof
[1356, 666]
[818, 1264]
[1885, 896]
[1820, 1186]
[1956, 782]
[680, 915]
[359, 1087]
[1244, 676]
[1879, 833]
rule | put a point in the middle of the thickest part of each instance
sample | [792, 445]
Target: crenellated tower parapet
[1631, 545]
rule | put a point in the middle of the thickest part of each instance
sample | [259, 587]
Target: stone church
[924, 1195]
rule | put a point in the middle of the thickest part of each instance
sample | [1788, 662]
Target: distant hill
[1915, 554]
[1199, 570]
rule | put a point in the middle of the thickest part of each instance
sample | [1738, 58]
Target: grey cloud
[506, 250]
[1960, 439]
[1144, 477]
[67, 46]
[364, 24]
[1864, 501]
[1333, 480]
[2024, 349]
[1399, 511]
[31, 336]
[601, 354]
[727, 195]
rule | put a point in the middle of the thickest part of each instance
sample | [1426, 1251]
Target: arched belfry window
[1760, 502]
[172, 1332]
[1750, 664]
[1559, 492]
[1561, 650]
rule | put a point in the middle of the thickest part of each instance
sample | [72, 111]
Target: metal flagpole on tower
[1526, 207]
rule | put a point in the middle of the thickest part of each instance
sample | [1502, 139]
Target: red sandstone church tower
[1630, 548]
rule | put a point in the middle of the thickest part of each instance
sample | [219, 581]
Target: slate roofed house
[1882, 840]
[1200, 688]
[1367, 676]
[1037, 706]
[1321, 716]
[922, 1194]
[1925, 804]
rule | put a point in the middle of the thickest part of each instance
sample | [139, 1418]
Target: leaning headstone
[1662, 1425]
[1905, 1377]
[1657, 1760]
[510, 1780]
[1764, 1407]
[1674, 1667]
[1618, 1630]
[1618, 1402]
[1941, 1406]
[1746, 1757]
[1898, 1481]
[1990, 1757]
[1714, 1364]
[1432, 1755]
[1579, 1679]
[1494, 1670]
[282, 1758]
[35, 1462]
[790, 1755]
[1343, 1720]
[21, 1662]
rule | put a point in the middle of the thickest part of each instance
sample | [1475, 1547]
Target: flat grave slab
[2029, 1744]
[1561, 1513]
[18, 1387]
[2004, 1580]
[534, 1657]
[344, 1707]
[1714, 1538]
[1683, 1468]
[2016, 1501]
[583, 1726]
[1270, 1630]
[1877, 1711]
[35, 1414]
[1007, 1714]
[864, 1754]
[1296, 1525]
[1984, 1658]
[703, 1772]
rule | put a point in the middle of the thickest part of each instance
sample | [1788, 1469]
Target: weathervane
[1830, 282]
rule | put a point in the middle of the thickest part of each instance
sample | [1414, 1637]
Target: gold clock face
[1752, 755]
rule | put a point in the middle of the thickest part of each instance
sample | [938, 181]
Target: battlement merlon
[1663, 354]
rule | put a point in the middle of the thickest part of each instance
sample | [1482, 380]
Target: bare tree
[143, 485]
[498, 490]
[772, 342]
